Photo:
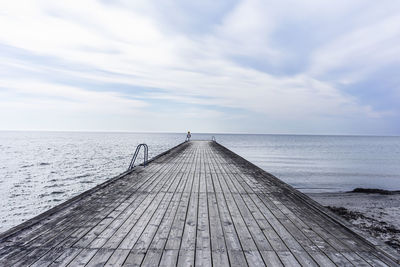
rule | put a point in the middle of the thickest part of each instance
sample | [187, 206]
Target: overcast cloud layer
[252, 66]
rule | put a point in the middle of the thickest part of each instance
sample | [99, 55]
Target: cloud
[287, 61]
[361, 51]
[32, 95]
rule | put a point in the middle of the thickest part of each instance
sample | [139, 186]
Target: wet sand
[376, 214]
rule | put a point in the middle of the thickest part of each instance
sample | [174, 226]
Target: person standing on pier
[188, 136]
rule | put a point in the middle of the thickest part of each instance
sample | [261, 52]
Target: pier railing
[145, 155]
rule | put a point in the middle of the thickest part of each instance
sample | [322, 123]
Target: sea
[39, 170]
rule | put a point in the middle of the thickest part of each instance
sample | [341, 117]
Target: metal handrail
[213, 139]
[145, 156]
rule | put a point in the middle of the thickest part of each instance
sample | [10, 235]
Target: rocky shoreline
[374, 211]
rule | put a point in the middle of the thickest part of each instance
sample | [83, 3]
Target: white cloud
[360, 51]
[128, 44]
[32, 95]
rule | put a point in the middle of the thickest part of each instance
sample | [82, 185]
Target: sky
[251, 66]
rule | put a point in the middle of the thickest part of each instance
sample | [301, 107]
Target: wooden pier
[198, 204]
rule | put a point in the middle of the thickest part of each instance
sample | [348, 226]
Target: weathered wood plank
[152, 258]
[47, 259]
[169, 258]
[160, 238]
[189, 232]
[186, 258]
[66, 257]
[121, 234]
[100, 258]
[134, 258]
[220, 258]
[117, 258]
[83, 257]
[216, 230]
[175, 235]
[271, 258]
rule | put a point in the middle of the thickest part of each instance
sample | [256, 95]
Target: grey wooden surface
[198, 205]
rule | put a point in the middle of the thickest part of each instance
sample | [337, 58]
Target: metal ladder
[145, 156]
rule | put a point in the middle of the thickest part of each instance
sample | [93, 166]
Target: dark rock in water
[374, 191]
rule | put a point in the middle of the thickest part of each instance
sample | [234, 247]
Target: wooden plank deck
[197, 205]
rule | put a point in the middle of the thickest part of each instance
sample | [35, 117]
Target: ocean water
[39, 170]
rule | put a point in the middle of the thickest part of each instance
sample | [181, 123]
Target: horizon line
[216, 133]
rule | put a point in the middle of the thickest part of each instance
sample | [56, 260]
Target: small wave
[81, 176]
[44, 163]
[86, 182]
[57, 192]
[27, 166]
[54, 185]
